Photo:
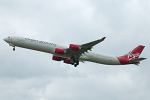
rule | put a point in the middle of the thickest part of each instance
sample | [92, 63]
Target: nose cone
[5, 39]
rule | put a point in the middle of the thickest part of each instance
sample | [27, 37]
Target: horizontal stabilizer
[136, 60]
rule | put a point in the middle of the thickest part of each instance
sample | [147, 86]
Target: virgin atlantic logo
[133, 56]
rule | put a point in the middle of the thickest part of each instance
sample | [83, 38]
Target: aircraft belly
[108, 61]
[35, 46]
[102, 59]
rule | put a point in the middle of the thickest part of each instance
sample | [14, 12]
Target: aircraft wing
[75, 54]
[88, 46]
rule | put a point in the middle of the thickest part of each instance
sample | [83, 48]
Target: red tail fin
[134, 54]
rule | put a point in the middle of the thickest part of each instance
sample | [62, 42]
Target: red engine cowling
[67, 61]
[57, 58]
[74, 47]
[59, 51]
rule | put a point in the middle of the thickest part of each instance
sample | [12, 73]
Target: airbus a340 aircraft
[73, 54]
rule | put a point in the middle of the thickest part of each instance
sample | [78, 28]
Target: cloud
[31, 75]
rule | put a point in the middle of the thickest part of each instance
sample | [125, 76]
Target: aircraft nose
[5, 39]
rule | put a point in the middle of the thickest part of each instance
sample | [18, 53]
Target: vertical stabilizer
[134, 54]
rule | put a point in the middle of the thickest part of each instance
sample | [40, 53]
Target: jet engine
[74, 47]
[59, 51]
[57, 58]
[67, 61]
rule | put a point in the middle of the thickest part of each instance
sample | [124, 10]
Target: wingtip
[103, 38]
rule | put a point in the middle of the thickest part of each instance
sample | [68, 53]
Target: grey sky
[32, 75]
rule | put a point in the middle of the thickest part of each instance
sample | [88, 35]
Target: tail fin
[132, 56]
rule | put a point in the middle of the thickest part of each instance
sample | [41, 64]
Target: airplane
[73, 54]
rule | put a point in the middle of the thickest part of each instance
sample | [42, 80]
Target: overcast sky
[32, 75]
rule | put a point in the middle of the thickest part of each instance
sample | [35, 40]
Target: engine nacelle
[74, 47]
[57, 58]
[67, 61]
[59, 51]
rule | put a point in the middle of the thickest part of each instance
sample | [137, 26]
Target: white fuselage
[50, 48]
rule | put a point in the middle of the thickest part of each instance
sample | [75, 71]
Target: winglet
[103, 38]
